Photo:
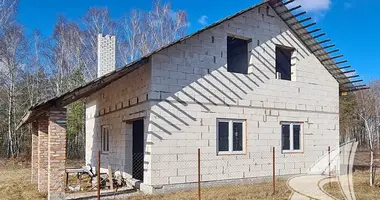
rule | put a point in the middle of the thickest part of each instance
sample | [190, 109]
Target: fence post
[274, 171]
[98, 175]
[199, 174]
[328, 149]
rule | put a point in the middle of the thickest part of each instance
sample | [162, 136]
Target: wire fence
[202, 174]
[218, 176]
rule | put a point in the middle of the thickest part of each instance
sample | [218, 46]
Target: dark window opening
[105, 139]
[296, 136]
[237, 129]
[283, 63]
[237, 55]
[285, 137]
[223, 136]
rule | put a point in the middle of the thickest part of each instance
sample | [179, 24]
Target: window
[231, 136]
[105, 139]
[291, 135]
[237, 55]
[283, 63]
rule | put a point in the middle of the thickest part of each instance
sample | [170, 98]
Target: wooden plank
[110, 176]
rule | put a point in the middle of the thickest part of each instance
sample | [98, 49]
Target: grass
[238, 192]
[15, 184]
[361, 187]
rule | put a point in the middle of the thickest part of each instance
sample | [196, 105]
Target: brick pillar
[42, 155]
[57, 152]
[34, 163]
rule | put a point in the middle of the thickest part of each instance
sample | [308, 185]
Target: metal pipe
[329, 46]
[354, 76]
[307, 26]
[345, 67]
[349, 71]
[357, 86]
[324, 41]
[274, 171]
[199, 174]
[301, 21]
[294, 16]
[340, 62]
[320, 35]
[313, 31]
[332, 58]
[283, 4]
[356, 81]
[290, 10]
[357, 89]
[330, 52]
[323, 48]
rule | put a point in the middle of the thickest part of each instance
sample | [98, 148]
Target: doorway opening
[138, 150]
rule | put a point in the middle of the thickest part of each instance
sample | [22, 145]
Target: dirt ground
[15, 184]
[241, 192]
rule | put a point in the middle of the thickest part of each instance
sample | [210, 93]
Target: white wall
[192, 79]
[121, 101]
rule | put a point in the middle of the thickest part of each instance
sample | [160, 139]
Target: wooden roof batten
[310, 41]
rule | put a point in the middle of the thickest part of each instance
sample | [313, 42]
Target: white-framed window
[231, 136]
[291, 137]
[105, 142]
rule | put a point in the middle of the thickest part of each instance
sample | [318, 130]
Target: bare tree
[142, 32]
[96, 21]
[367, 112]
[7, 12]
[12, 54]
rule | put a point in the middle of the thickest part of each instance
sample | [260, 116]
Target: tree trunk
[371, 171]
[10, 114]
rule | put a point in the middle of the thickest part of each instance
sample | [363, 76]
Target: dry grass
[361, 187]
[15, 184]
[239, 192]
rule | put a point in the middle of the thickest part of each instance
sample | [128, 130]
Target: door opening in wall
[138, 150]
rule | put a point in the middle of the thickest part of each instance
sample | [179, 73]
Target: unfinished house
[259, 79]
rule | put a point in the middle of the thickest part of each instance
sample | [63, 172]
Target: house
[235, 89]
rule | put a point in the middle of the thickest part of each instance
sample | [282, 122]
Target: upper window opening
[284, 63]
[237, 55]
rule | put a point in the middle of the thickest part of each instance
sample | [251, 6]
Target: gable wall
[193, 80]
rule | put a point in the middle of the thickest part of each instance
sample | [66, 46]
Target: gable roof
[280, 9]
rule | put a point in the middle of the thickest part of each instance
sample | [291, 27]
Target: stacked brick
[43, 155]
[57, 151]
[34, 160]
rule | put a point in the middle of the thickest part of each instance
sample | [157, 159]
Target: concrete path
[308, 187]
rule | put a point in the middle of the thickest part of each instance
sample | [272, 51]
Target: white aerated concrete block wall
[113, 106]
[191, 88]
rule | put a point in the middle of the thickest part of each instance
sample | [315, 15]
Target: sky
[353, 25]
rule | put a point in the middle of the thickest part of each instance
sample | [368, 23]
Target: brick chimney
[106, 54]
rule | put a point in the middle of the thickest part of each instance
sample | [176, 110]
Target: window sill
[234, 153]
[104, 153]
[292, 151]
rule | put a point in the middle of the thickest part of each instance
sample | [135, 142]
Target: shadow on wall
[215, 86]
